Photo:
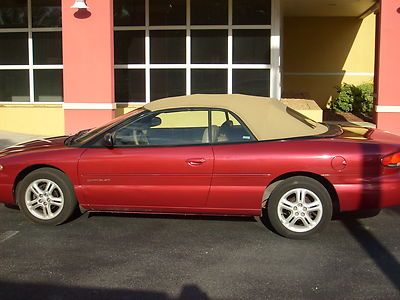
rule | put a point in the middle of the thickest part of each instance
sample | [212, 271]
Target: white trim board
[275, 74]
[344, 73]
[387, 108]
[75, 105]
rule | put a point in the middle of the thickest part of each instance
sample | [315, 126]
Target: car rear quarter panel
[365, 183]
[242, 172]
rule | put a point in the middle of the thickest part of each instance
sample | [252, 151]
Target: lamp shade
[79, 4]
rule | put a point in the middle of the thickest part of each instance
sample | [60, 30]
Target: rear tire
[299, 207]
[46, 196]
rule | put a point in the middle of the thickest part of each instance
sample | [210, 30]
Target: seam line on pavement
[7, 235]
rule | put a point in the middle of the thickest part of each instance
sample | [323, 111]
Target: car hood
[44, 143]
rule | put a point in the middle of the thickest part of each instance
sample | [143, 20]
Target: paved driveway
[10, 138]
[110, 256]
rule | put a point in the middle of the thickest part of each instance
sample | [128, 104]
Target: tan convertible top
[267, 118]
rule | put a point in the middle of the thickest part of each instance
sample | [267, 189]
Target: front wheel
[46, 196]
[299, 207]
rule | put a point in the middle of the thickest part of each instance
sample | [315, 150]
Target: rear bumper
[370, 194]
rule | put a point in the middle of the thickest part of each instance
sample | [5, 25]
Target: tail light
[392, 160]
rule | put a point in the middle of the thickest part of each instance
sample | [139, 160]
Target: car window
[85, 135]
[188, 127]
[226, 128]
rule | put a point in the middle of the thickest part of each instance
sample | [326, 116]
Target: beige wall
[321, 53]
[125, 108]
[36, 119]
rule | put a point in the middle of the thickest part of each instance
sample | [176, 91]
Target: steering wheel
[140, 137]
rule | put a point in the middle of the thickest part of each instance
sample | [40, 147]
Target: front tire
[46, 196]
[299, 207]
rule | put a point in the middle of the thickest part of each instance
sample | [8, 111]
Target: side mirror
[156, 121]
[108, 140]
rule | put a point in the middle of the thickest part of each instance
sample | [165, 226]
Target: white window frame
[274, 66]
[30, 66]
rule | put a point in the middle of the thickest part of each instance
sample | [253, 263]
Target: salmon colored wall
[92, 118]
[388, 67]
[88, 57]
[389, 49]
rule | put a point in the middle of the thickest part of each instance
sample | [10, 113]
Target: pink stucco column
[388, 67]
[88, 58]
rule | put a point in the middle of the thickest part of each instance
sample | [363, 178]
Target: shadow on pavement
[42, 291]
[388, 264]
[371, 197]
[362, 214]
[394, 210]
[175, 217]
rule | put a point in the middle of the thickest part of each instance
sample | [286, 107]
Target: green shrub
[351, 98]
[345, 99]
[364, 98]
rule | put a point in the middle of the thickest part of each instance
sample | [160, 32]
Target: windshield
[85, 135]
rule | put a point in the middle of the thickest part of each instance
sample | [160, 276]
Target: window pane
[129, 47]
[47, 48]
[170, 128]
[227, 129]
[48, 85]
[183, 119]
[46, 13]
[129, 12]
[167, 12]
[14, 49]
[14, 85]
[209, 46]
[13, 14]
[209, 81]
[251, 46]
[168, 47]
[209, 12]
[130, 86]
[167, 83]
[254, 12]
[251, 82]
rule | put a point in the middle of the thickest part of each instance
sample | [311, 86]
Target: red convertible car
[207, 154]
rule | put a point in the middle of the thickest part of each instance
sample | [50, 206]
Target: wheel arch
[325, 182]
[23, 173]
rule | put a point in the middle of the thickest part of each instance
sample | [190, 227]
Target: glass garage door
[30, 51]
[167, 48]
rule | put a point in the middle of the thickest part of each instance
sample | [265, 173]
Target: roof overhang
[328, 8]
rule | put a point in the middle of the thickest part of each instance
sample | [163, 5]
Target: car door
[163, 161]
[240, 176]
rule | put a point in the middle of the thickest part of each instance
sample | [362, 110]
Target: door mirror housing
[108, 140]
[156, 121]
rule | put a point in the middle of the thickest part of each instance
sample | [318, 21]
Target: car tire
[46, 196]
[299, 207]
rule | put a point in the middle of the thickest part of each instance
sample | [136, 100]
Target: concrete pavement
[10, 138]
[123, 256]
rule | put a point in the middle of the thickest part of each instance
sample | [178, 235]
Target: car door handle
[195, 161]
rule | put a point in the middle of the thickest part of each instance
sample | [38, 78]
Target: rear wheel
[299, 207]
[46, 196]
